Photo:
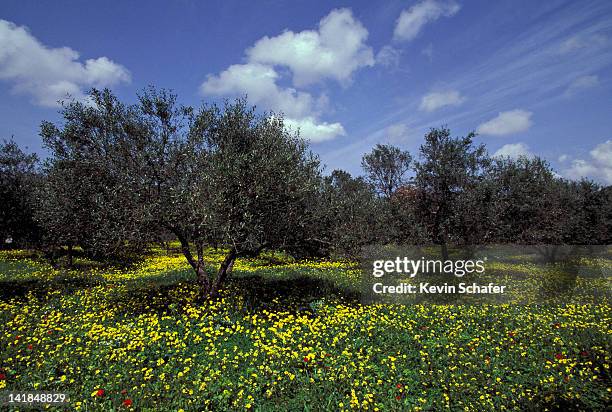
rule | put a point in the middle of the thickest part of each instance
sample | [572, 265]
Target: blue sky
[530, 77]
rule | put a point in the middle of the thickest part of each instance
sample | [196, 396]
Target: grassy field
[285, 336]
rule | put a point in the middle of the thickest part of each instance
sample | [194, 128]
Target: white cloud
[411, 21]
[598, 167]
[435, 100]
[333, 51]
[315, 131]
[602, 154]
[580, 84]
[512, 121]
[50, 74]
[388, 56]
[514, 151]
[258, 81]
[563, 158]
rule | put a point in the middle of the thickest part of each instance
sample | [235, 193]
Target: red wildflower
[306, 359]
[100, 393]
[123, 391]
[30, 347]
[2, 376]
[511, 334]
[398, 386]
[559, 356]
[49, 332]
[127, 402]
[398, 397]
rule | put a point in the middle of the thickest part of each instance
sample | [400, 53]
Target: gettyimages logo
[485, 274]
[411, 267]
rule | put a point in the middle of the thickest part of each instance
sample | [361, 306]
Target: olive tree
[447, 175]
[212, 176]
[352, 215]
[386, 167]
[18, 176]
[535, 206]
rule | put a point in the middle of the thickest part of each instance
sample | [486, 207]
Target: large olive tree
[213, 176]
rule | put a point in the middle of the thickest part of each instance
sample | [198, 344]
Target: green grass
[286, 335]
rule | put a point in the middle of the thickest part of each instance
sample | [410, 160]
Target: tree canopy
[121, 176]
[212, 176]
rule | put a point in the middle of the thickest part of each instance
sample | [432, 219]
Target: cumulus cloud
[514, 151]
[580, 84]
[258, 81]
[411, 21]
[512, 121]
[315, 131]
[51, 74]
[333, 51]
[435, 100]
[598, 166]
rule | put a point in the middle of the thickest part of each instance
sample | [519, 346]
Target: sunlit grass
[285, 335]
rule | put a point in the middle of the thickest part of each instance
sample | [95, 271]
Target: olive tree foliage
[591, 213]
[534, 206]
[449, 174]
[526, 192]
[404, 225]
[18, 177]
[386, 167]
[83, 200]
[351, 215]
[212, 176]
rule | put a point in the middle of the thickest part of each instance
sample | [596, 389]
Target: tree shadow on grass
[39, 288]
[290, 291]
[294, 293]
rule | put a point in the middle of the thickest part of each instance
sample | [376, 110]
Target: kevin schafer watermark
[426, 287]
[490, 274]
[405, 266]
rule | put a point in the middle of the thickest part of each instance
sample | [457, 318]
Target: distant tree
[590, 213]
[530, 202]
[604, 198]
[404, 226]
[352, 214]
[448, 171]
[386, 167]
[219, 177]
[533, 205]
[18, 176]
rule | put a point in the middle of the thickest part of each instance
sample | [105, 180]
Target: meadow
[285, 335]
